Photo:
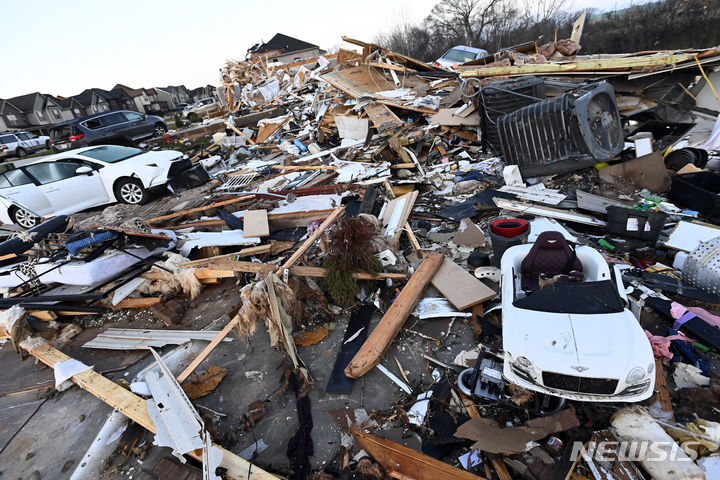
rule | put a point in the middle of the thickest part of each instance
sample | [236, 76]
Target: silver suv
[20, 144]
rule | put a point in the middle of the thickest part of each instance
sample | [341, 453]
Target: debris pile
[466, 275]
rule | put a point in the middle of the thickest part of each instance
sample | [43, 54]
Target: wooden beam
[245, 252]
[278, 221]
[135, 408]
[391, 323]
[208, 349]
[315, 235]
[608, 64]
[402, 462]
[389, 66]
[200, 209]
[140, 302]
[661, 391]
[299, 271]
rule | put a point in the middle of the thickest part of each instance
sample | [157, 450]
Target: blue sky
[62, 48]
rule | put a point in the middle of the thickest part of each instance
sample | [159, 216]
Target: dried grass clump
[165, 283]
[352, 243]
[256, 306]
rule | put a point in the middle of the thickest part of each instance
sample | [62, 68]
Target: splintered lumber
[607, 64]
[208, 349]
[385, 332]
[200, 209]
[135, 408]
[141, 302]
[382, 117]
[278, 221]
[245, 252]
[462, 289]
[405, 463]
[301, 168]
[299, 271]
[311, 239]
[255, 223]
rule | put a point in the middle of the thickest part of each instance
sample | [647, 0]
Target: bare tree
[464, 20]
[539, 11]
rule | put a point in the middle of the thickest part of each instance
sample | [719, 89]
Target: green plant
[338, 283]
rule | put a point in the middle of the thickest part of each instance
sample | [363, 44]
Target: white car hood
[578, 340]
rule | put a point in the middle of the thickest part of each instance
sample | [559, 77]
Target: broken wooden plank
[141, 302]
[239, 132]
[255, 223]
[385, 332]
[245, 252]
[208, 349]
[311, 239]
[405, 463]
[135, 408]
[608, 64]
[200, 209]
[299, 271]
[382, 117]
[278, 221]
[461, 288]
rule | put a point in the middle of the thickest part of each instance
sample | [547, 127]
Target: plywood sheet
[382, 117]
[461, 288]
[256, 223]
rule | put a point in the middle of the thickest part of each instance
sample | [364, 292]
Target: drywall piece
[541, 211]
[434, 307]
[447, 117]
[353, 128]
[131, 339]
[390, 324]
[539, 225]
[595, 203]
[460, 287]
[122, 293]
[256, 223]
[178, 424]
[215, 239]
[512, 176]
[469, 234]
[665, 460]
[645, 172]
[686, 236]
[541, 195]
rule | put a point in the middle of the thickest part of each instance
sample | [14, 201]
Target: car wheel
[23, 218]
[20, 152]
[130, 190]
[160, 129]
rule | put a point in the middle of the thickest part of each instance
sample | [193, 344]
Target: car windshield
[457, 55]
[112, 153]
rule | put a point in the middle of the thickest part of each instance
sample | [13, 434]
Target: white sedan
[574, 340]
[70, 182]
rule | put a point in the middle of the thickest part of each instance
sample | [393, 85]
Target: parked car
[70, 182]
[20, 144]
[119, 127]
[572, 339]
[460, 54]
[200, 108]
[180, 107]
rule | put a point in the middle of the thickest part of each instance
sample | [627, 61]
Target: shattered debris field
[380, 268]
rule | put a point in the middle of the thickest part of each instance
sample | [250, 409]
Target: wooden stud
[391, 323]
[200, 209]
[315, 235]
